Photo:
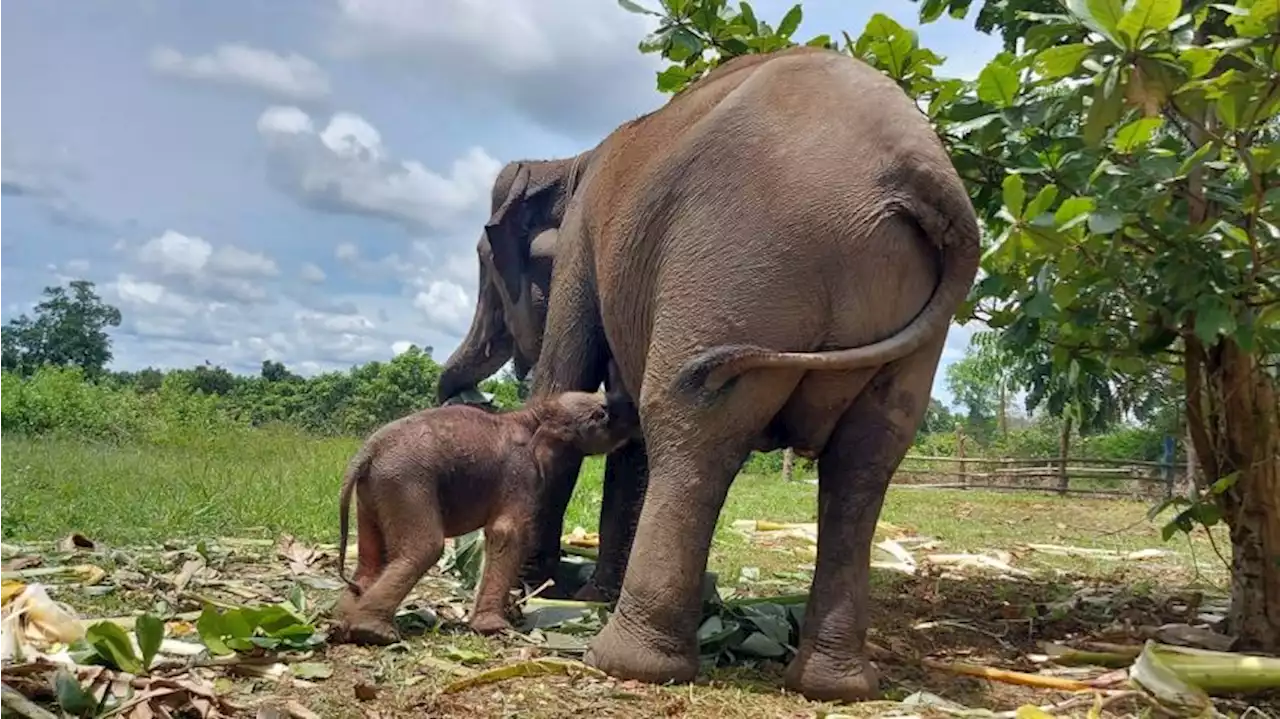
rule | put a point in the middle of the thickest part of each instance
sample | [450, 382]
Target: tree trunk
[788, 464]
[1002, 418]
[1235, 424]
[1064, 449]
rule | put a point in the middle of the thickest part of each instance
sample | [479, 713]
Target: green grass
[267, 482]
[263, 483]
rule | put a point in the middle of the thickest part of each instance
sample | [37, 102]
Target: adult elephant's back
[778, 208]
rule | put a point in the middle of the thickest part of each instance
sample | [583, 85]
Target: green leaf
[1199, 60]
[1224, 483]
[1197, 158]
[1015, 194]
[790, 22]
[758, 645]
[1108, 103]
[748, 16]
[684, 45]
[1213, 318]
[111, 643]
[150, 631]
[998, 85]
[1072, 208]
[673, 79]
[210, 628]
[72, 698]
[1058, 62]
[1101, 16]
[1104, 223]
[1144, 16]
[819, 41]
[1042, 201]
[630, 6]
[1137, 134]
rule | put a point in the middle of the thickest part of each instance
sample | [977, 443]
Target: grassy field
[264, 483]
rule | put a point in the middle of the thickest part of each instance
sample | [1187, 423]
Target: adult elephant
[772, 259]
[528, 204]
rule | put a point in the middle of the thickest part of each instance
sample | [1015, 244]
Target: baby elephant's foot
[362, 630]
[489, 623]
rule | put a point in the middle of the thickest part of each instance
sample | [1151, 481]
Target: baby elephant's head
[594, 423]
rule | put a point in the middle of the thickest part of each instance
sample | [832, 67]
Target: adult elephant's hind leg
[854, 470]
[694, 453]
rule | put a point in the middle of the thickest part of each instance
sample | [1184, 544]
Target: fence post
[1064, 449]
[964, 479]
[1166, 459]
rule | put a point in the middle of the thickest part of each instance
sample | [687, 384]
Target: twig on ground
[22, 706]
[1008, 677]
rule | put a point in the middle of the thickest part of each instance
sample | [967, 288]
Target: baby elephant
[450, 470]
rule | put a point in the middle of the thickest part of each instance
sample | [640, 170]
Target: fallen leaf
[311, 670]
[188, 572]
[300, 556]
[298, 711]
[366, 692]
[532, 668]
[27, 562]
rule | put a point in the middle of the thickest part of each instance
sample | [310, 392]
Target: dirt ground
[946, 614]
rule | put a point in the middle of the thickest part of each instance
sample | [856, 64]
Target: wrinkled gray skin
[772, 259]
[505, 329]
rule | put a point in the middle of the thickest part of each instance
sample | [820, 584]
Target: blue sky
[306, 181]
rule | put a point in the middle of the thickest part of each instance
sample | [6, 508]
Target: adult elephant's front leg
[544, 557]
[626, 474]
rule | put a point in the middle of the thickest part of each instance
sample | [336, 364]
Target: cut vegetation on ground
[963, 582]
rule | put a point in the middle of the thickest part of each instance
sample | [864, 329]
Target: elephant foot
[589, 592]
[623, 654]
[821, 677]
[373, 632]
[489, 623]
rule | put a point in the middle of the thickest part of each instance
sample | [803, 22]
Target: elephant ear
[509, 232]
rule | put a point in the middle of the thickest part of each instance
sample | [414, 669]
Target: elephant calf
[447, 471]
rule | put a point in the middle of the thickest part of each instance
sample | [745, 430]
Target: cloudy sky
[306, 181]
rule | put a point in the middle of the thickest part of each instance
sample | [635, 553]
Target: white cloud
[399, 347]
[346, 168]
[445, 303]
[347, 252]
[312, 274]
[174, 253]
[290, 77]
[571, 64]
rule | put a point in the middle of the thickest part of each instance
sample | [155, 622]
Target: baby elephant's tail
[356, 470]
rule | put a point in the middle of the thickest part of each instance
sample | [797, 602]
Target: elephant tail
[946, 217]
[357, 470]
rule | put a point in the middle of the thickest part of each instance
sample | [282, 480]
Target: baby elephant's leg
[414, 542]
[505, 541]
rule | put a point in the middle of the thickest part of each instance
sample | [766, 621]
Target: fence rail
[1064, 475]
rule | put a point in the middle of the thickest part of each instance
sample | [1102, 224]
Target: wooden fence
[1075, 475]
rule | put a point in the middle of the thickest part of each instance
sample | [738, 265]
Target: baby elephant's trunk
[356, 470]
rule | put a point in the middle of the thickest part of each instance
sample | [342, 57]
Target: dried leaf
[311, 670]
[188, 572]
[297, 711]
[535, 667]
[366, 692]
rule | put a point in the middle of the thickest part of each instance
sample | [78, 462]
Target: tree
[981, 382]
[937, 418]
[1124, 158]
[69, 328]
[277, 372]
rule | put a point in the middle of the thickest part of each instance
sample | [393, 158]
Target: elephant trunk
[487, 346]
